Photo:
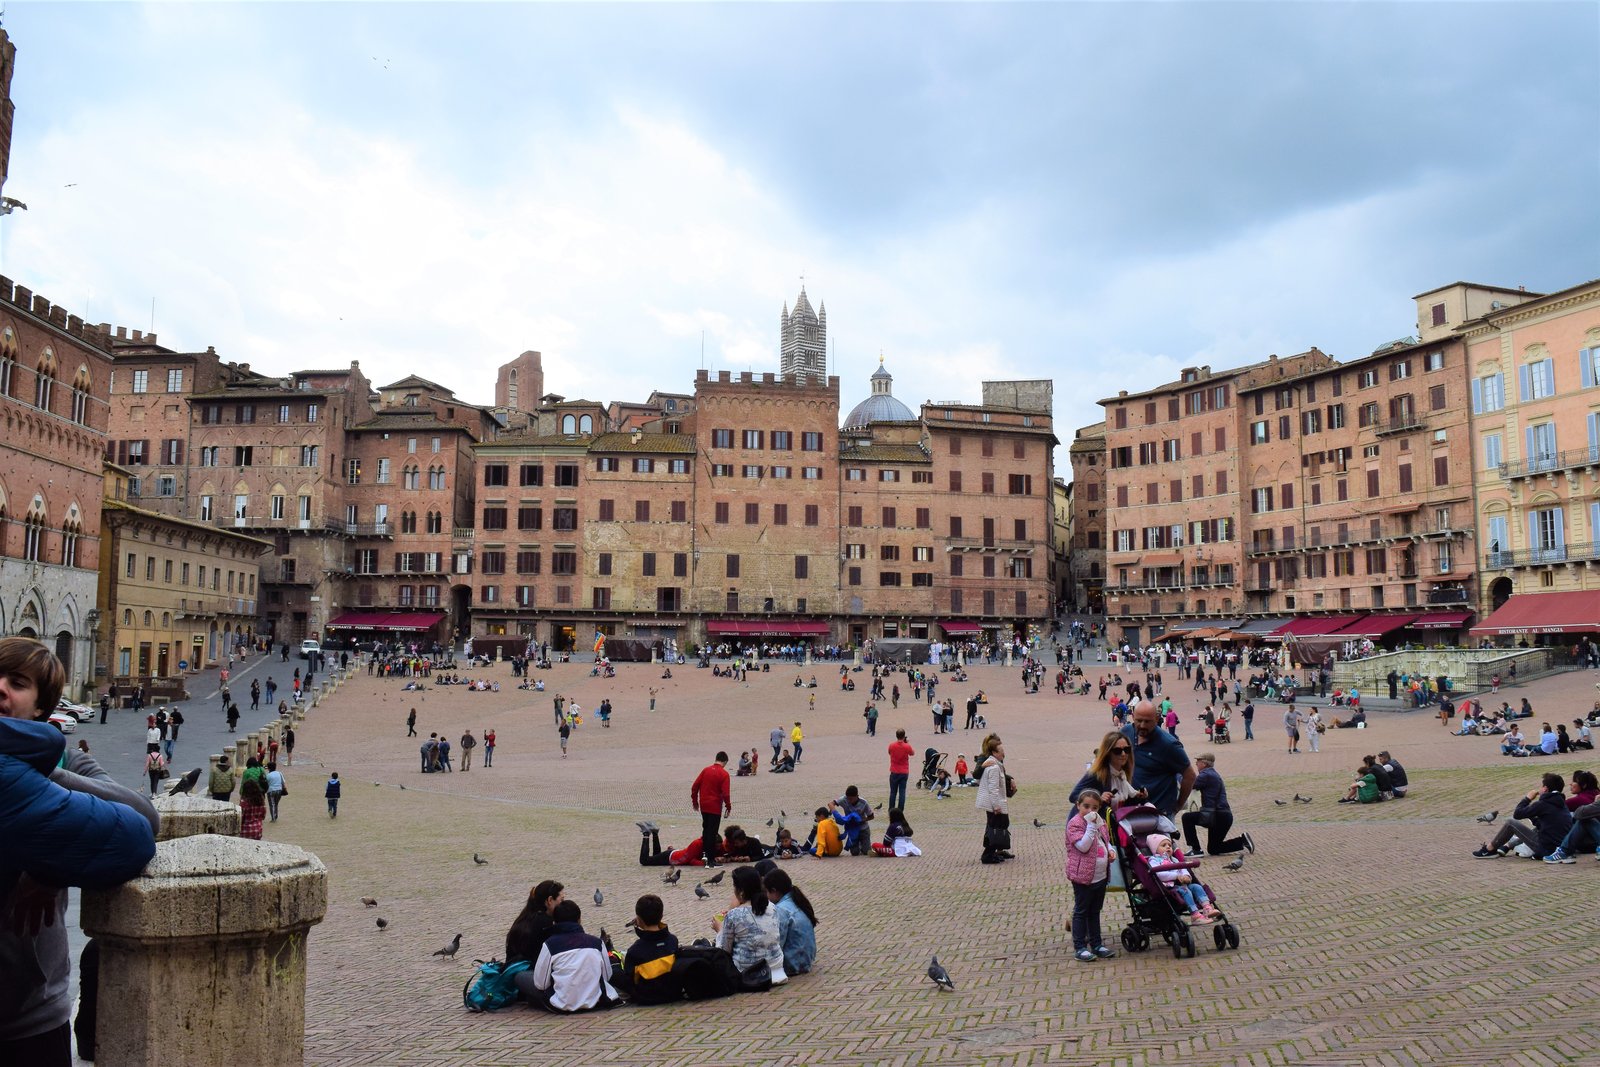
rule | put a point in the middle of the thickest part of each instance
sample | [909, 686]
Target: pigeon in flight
[449, 951]
[1236, 865]
[1489, 816]
[599, 898]
[369, 902]
[479, 860]
[940, 976]
[383, 924]
[714, 879]
[672, 876]
[184, 784]
[700, 891]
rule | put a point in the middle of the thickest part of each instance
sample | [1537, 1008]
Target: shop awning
[1443, 620]
[1376, 626]
[1310, 626]
[386, 620]
[1162, 559]
[1545, 613]
[767, 627]
[953, 627]
[1260, 627]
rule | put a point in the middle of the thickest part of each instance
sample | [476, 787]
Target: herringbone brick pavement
[1369, 934]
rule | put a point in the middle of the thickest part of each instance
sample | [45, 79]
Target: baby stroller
[1219, 732]
[932, 761]
[1155, 910]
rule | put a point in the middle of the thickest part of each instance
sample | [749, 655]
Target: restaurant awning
[767, 627]
[953, 627]
[1443, 620]
[1545, 613]
[1311, 626]
[1375, 626]
[1162, 559]
[386, 620]
[1260, 627]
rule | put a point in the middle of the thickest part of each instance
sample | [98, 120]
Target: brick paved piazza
[1370, 935]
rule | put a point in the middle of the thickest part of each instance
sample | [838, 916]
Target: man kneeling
[573, 970]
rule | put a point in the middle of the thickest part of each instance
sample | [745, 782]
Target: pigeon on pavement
[672, 876]
[599, 898]
[369, 902]
[184, 784]
[940, 976]
[449, 951]
[714, 879]
[1037, 823]
[1489, 816]
[1236, 865]
[383, 924]
[1278, 802]
[1301, 799]
[479, 860]
[769, 822]
[700, 891]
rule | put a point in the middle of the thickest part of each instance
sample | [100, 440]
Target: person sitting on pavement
[1364, 790]
[1583, 737]
[1469, 725]
[797, 922]
[1549, 744]
[1399, 783]
[573, 971]
[647, 975]
[853, 815]
[1359, 718]
[824, 840]
[1511, 744]
[1546, 811]
[1380, 773]
[1584, 833]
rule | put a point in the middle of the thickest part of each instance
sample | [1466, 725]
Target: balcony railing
[368, 529]
[1169, 587]
[1407, 423]
[1549, 462]
[207, 608]
[463, 533]
[1535, 557]
[1447, 596]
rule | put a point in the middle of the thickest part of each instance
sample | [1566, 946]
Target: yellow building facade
[174, 595]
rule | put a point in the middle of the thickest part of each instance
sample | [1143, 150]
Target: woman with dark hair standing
[749, 931]
[531, 928]
[797, 921]
[992, 790]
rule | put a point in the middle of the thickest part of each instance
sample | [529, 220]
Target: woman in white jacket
[992, 801]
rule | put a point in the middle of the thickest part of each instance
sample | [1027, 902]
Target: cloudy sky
[1096, 193]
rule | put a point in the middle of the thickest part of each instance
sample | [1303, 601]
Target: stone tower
[804, 345]
[520, 383]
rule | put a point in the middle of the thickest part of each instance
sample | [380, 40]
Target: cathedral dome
[881, 406]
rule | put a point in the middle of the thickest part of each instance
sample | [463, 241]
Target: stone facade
[54, 375]
[519, 384]
[1532, 362]
[1356, 485]
[1086, 554]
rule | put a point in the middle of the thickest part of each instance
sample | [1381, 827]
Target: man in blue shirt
[1160, 764]
[1214, 814]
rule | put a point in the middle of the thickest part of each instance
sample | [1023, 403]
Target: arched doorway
[64, 650]
[1499, 593]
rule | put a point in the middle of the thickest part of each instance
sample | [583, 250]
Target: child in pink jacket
[1089, 870]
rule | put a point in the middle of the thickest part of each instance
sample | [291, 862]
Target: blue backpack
[492, 988]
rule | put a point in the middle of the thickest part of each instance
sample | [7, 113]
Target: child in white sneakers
[1180, 881]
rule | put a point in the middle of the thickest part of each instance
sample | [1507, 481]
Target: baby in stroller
[932, 760]
[1172, 871]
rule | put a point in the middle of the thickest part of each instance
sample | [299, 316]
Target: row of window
[242, 582]
[35, 540]
[1198, 532]
[247, 414]
[141, 380]
[669, 599]
[762, 440]
[639, 465]
[410, 475]
[530, 474]
[44, 380]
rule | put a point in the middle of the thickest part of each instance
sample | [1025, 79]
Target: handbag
[1115, 881]
[997, 839]
[1011, 787]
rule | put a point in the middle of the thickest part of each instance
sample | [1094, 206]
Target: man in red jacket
[712, 796]
[900, 753]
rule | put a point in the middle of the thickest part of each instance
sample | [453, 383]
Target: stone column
[190, 816]
[242, 751]
[1008, 655]
[204, 954]
[808, 656]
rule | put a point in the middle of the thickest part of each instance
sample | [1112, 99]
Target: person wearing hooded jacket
[1546, 809]
[64, 823]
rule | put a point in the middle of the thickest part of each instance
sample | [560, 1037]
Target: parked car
[308, 646]
[81, 712]
[63, 722]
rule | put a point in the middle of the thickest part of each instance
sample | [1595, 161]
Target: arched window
[81, 386]
[436, 478]
[8, 360]
[166, 620]
[408, 522]
[45, 381]
[149, 618]
[33, 538]
[127, 616]
[412, 478]
[586, 424]
[569, 424]
[69, 545]
[435, 522]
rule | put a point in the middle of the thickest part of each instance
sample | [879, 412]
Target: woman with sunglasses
[1111, 774]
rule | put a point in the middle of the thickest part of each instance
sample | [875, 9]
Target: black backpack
[706, 972]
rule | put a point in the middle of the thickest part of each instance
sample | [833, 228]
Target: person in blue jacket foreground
[64, 823]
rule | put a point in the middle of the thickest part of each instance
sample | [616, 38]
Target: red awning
[385, 620]
[1444, 620]
[1545, 613]
[767, 627]
[960, 626]
[1375, 626]
[1317, 627]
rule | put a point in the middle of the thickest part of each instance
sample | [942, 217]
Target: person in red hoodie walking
[712, 796]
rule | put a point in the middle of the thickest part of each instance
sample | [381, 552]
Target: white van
[308, 646]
